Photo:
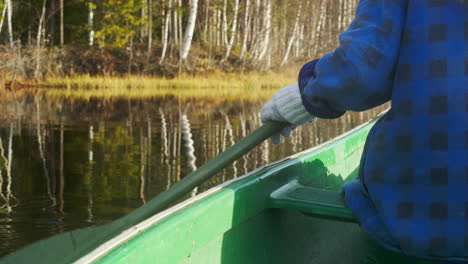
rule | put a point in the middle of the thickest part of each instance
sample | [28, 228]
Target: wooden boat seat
[311, 201]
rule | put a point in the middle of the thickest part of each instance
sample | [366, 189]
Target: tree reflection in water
[114, 155]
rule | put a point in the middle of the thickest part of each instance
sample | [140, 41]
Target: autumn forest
[164, 37]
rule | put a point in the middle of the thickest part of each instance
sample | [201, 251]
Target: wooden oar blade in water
[70, 246]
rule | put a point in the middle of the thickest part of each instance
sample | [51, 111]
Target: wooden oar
[70, 246]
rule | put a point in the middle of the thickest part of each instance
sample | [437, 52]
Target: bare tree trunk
[224, 32]
[61, 22]
[9, 15]
[3, 17]
[246, 28]
[175, 23]
[179, 21]
[39, 34]
[256, 31]
[166, 31]
[143, 28]
[320, 23]
[218, 27]
[233, 30]
[294, 34]
[267, 23]
[91, 22]
[206, 24]
[189, 30]
[50, 22]
[150, 26]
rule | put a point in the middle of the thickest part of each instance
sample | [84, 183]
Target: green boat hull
[241, 222]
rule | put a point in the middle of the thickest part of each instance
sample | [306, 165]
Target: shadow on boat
[289, 236]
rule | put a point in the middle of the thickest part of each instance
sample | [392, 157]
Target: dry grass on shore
[251, 86]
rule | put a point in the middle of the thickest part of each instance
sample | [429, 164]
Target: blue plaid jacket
[412, 192]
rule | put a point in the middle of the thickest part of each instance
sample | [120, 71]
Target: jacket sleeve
[358, 75]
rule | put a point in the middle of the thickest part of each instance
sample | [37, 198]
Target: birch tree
[150, 26]
[245, 28]
[9, 24]
[3, 17]
[91, 7]
[267, 29]
[233, 30]
[184, 51]
[39, 34]
[224, 25]
[61, 22]
[165, 31]
[293, 35]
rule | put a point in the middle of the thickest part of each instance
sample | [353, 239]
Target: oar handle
[205, 172]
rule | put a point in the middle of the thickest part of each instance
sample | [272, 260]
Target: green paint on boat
[288, 212]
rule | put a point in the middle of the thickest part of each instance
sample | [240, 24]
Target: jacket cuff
[316, 106]
[288, 101]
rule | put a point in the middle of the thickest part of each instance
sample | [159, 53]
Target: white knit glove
[286, 106]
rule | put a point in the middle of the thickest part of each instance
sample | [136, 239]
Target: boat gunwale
[267, 169]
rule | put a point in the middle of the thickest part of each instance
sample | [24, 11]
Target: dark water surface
[70, 163]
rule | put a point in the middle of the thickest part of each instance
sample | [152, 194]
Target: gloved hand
[286, 106]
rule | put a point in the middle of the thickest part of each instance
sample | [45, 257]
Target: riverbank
[252, 86]
[107, 73]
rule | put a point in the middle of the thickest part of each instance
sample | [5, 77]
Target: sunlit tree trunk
[341, 14]
[143, 26]
[179, 21]
[150, 26]
[39, 35]
[165, 36]
[224, 32]
[218, 20]
[61, 22]
[294, 34]
[255, 31]
[91, 22]
[50, 22]
[3, 17]
[189, 30]
[320, 23]
[9, 24]
[206, 23]
[233, 29]
[175, 23]
[267, 28]
[246, 28]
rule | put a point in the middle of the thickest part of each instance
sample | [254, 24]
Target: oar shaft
[208, 170]
[75, 244]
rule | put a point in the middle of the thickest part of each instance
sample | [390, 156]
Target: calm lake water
[70, 163]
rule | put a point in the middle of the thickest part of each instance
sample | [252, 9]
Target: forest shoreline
[83, 67]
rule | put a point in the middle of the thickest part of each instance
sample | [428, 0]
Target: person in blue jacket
[412, 191]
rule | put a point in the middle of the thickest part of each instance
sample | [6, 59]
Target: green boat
[290, 211]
